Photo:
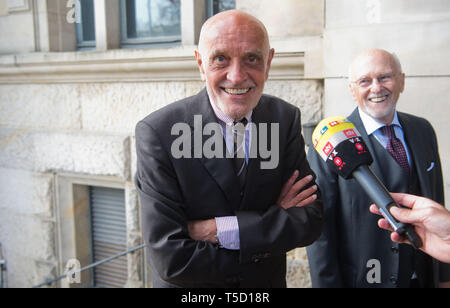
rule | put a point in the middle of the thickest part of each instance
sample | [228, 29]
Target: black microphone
[340, 145]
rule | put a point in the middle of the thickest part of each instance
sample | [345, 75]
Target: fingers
[407, 215]
[374, 209]
[384, 224]
[295, 189]
[395, 237]
[305, 197]
[307, 201]
[287, 187]
[293, 195]
[302, 183]
[403, 215]
[404, 199]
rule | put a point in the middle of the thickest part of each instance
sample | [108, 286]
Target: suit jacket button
[393, 279]
[394, 249]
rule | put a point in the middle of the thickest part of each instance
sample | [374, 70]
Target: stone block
[3, 8]
[305, 94]
[28, 245]
[338, 100]
[93, 154]
[27, 235]
[19, 37]
[350, 13]
[117, 107]
[26, 193]
[297, 273]
[421, 47]
[40, 106]
[289, 18]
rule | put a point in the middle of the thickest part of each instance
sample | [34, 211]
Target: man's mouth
[378, 99]
[237, 91]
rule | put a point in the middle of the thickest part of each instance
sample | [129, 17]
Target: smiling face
[234, 59]
[377, 82]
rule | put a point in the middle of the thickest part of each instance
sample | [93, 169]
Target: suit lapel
[418, 154]
[220, 169]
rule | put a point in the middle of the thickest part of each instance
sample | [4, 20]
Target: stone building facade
[67, 117]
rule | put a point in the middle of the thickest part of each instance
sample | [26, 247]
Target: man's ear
[352, 91]
[198, 56]
[269, 62]
[402, 80]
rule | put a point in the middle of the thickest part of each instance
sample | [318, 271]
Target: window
[85, 28]
[216, 6]
[108, 236]
[150, 21]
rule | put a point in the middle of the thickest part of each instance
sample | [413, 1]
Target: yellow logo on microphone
[330, 132]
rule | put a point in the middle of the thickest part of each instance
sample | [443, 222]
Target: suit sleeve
[323, 258]
[177, 258]
[276, 230]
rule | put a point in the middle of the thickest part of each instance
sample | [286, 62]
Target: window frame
[82, 44]
[160, 41]
[73, 215]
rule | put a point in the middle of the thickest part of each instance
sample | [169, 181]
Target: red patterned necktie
[395, 147]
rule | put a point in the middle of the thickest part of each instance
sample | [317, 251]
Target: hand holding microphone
[430, 219]
[340, 145]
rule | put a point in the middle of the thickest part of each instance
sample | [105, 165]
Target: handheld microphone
[340, 145]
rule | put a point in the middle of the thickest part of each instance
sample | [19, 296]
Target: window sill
[125, 65]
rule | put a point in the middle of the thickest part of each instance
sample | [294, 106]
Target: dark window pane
[87, 19]
[216, 6]
[152, 18]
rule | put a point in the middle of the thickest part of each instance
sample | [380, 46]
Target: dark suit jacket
[351, 237]
[175, 191]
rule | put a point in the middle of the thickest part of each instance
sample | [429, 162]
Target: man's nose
[236, 73]
[375, 86]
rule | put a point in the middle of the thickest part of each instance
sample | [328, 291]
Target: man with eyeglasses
[353, 251]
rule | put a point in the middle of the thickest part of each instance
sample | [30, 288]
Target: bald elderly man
[353, 251]
[223, 180]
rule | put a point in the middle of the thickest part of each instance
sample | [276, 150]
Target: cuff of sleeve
[228, 232]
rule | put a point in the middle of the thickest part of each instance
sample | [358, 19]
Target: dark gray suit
[351, 237]
[175, 191]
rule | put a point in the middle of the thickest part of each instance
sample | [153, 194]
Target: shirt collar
[222, 116]
[371, 125]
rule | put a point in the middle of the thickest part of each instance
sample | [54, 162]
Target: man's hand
[203, 230]
[292, 194]
[431, 222]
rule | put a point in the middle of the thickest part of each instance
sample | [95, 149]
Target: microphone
[340, 145]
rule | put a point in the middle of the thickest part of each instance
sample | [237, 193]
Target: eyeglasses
[366, 82]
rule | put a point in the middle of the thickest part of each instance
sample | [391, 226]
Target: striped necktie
[239, 161]
[395, 147]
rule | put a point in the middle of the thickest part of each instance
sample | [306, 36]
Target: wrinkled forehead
[374, 64]
[234, 32]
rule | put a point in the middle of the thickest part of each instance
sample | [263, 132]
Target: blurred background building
[77, 75]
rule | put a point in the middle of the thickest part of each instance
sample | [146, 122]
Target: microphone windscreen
[340, 145]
